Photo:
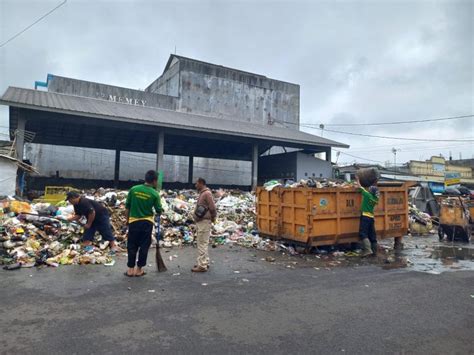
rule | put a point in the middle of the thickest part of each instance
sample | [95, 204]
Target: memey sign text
[126, 100]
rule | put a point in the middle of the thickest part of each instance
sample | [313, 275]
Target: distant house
[400, 174]
[8, 174]
[437, 168]
[9, 169]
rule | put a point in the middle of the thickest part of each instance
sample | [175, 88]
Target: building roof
[221, 68]
[107, 110]
[173, 56]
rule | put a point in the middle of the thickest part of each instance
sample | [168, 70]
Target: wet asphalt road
[244, 304]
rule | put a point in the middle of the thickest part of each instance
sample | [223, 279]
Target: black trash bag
[311, 183]
[42, 257]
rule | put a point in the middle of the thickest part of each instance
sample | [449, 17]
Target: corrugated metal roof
[85, 106]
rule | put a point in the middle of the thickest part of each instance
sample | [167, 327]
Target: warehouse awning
[96, 109]
[69, 120]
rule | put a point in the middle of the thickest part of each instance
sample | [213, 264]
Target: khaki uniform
[203, 233]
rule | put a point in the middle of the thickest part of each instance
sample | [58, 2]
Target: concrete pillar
[254, 166]
[20, 137]
[190, 169]
[328, 154]
[160, 153]
[117, 168]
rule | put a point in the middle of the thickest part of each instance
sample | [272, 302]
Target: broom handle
[159, 260]
[157, 228]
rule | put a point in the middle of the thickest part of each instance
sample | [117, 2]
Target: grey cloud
[356, 61]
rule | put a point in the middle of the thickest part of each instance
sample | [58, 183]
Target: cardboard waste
[420, 222]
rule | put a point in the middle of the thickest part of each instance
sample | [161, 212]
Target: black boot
[374, 248]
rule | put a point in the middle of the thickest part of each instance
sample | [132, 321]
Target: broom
[160, 265]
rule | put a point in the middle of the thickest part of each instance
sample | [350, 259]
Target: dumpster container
[470, 206]
[55, 194]
[455, 219]
[328, 216]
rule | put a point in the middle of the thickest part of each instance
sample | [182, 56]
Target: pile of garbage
[35, 234]
[367, 177]
[421, 223]
[235, 223]
[313, 183]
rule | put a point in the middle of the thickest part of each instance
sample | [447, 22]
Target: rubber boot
[374, 248]
[366, 248]
[398, 245]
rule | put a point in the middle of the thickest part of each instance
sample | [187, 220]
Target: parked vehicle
[422, 197]
[455, 218]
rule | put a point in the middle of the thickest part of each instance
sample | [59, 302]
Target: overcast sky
[356, 61]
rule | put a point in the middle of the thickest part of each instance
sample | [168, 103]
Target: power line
[318, 125]
[398, 122]
[400, 138]
[408, 149]
[433, 148]
[404, 151]
[34, 23]
[355, 156]
[384, 137]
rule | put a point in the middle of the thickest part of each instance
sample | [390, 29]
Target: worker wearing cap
[367, 232]
[98, 220]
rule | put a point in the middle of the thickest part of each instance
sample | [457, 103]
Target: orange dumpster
[328, 216]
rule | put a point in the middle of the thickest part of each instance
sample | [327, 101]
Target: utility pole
[394, 151]
[322, 129]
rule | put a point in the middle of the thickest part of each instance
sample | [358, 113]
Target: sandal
[126, 274]
[142, 274]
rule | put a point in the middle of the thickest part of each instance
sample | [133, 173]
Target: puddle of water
[424, 254]
[431, 256]
[453, 252]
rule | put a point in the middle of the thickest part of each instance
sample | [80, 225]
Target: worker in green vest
[367, 233]
[143, 202]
